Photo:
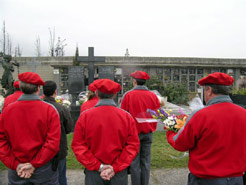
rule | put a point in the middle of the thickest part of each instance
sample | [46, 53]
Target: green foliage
[155, 84]
[177, 93]
[241, 91]
[75, 59]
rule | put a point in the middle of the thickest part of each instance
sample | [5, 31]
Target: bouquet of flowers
[82, 97]
[63, 100]
[171, 122]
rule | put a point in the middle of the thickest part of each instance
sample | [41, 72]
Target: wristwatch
[100, 168]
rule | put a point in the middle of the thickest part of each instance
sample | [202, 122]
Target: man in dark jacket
[59, 161]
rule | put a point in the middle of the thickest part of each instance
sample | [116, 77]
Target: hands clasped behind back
[25, 170]
[107, 172]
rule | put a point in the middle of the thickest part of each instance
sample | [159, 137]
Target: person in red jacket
[13, 97]
[136, 102]
[214, 136]
[105, 138]
[92, 99]
[29, 135]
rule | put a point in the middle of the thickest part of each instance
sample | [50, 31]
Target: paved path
[158, 177]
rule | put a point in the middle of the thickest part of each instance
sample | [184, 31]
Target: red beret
[107, 86]
[17, 84]
[92, 87]
[31, 78]
[217, 79]
[140, 75]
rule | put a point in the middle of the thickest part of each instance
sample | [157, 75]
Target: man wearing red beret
[214, 136]
[29, 135]
[105, 138]
[136, 102]
[13, 97]
[92, 99]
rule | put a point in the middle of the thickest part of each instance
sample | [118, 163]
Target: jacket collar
[49, 98]
[140, 87]
[219, 99]
[29, 97]
[102, 102]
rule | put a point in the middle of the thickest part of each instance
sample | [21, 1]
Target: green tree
[75, 58]
[176, 93]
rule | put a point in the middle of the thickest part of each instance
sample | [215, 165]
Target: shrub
[241, 91]
[176, 93]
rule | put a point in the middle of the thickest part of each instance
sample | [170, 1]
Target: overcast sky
[163, 28]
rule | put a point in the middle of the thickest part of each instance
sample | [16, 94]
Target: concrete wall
[45, 65]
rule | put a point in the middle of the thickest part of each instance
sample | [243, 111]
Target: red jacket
[89, 104]
[215, 138]
[29, 132]
[136, 102]
[12, 98]
[105, 134]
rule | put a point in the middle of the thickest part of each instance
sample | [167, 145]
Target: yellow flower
[168, 112]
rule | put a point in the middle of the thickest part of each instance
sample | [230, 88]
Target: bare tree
[4, 37]
[18, 51]
[37, 47]
[59, 49]
[9, 45]
[52, 42]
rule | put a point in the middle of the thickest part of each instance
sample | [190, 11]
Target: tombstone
[239, 99]
[91, 60]
[75, 86]
[106, 72]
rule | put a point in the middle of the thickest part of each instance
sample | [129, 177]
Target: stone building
[167, 69]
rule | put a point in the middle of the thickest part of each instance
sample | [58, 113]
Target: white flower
[66, 102]
[170, 121]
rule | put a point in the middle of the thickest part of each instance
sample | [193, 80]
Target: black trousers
[42, 176]
[94, 178]
[193, 180]
[140, 167]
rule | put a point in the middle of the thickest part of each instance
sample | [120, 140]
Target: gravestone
[75, 79]
[75, 86]
[239, 99]
[91, 60]
[106, 72]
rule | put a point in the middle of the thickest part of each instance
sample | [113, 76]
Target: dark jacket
[66, 125]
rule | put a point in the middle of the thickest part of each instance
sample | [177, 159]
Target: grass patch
[161, 152]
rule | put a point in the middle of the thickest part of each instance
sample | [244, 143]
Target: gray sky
[164, 28]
